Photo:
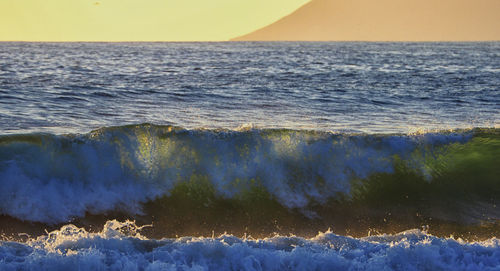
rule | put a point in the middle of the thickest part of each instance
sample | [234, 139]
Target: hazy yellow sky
[137, 20]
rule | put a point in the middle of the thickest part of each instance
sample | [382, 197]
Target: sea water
[249, 156]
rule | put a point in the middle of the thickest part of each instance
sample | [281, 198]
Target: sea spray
[119, 246]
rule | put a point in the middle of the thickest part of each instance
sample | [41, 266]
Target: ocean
[250, 156]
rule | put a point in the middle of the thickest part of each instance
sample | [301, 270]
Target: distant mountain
[386, 20]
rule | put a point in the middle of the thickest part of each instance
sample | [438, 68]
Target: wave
[120, 246]
[148, 170]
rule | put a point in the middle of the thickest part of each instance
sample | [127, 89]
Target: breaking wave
[138, 169]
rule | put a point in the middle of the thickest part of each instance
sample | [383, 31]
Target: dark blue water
[354, 87]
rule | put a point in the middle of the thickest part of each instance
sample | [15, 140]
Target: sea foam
[119, 246]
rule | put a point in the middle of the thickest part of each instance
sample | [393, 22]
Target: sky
[137, 20]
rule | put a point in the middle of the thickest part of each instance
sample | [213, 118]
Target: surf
[120, 246]
[227, 179]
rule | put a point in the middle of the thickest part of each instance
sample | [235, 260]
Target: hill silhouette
[386, 20]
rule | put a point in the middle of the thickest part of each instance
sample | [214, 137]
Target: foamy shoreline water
[119, 246]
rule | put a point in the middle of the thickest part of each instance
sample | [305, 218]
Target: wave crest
[54, 178]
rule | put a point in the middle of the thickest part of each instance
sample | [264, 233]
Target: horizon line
[241, 41]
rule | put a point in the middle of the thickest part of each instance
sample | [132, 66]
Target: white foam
[72, 248]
